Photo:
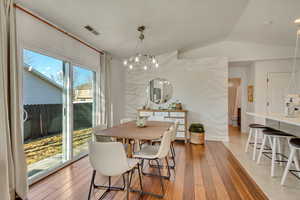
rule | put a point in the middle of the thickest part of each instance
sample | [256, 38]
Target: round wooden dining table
[131, 132]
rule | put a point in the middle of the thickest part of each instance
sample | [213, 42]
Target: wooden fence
[47, 119]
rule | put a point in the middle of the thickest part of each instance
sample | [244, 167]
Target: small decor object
[178, 106]
[197, 133]
[250, 93]
[141, 122]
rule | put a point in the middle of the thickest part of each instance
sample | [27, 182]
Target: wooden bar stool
[294, 144]
[255, 130]
[274, 136]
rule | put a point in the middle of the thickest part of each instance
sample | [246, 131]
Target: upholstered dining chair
[100, 138]
[156, 153]
[125, 120]
[174, 129]
[109, 159]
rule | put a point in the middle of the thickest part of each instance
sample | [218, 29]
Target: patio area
[45, 153]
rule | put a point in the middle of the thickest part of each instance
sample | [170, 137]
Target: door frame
[68, 157]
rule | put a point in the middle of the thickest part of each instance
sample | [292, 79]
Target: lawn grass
[49, 146]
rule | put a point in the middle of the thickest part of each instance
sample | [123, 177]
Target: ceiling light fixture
[141, 59]
[297, 21]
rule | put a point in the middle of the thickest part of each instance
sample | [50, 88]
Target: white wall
[37, 91]
[264, 59]
[261, 70]
[35, 35]
[240, 51]
[256, 74]
[200, 84]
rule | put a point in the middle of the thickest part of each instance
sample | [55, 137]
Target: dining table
[133, 134]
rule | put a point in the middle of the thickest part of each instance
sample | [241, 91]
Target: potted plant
[197, 133]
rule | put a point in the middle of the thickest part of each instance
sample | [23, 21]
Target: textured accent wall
[200, 84]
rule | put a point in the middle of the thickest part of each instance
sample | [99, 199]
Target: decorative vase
[141, 122]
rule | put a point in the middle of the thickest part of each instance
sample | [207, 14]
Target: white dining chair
[174, 129]
[156, 118]
[125, 120]
[156, 153]
[109, 159]
[101, 138]
[173, 138]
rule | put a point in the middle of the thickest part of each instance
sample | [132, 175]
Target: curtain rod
[57, 28]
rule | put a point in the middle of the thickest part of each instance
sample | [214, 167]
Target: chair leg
[248, 140]
[131, 176]
[262, 148]
[169, 172]
[280, 152]
[273, 156]
[255, 144]
[140, 177]
[296, 161]
[173, 159]
[109, 182]
[286, 170]
[270, 142]
[128, 187]
[172, 147]
[124, 182]
[92, 184]
[161, 179]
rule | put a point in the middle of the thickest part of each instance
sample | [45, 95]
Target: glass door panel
[83, 106]
[43, 78]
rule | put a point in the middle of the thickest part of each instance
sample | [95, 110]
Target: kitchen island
[280, 122]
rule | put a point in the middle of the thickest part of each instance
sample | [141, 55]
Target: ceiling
[268, 22]
[171, 24]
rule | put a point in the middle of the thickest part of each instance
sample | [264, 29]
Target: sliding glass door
[58, 104]
[83, 107]
[43, 111]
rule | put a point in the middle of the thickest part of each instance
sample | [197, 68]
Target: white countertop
[277, 117]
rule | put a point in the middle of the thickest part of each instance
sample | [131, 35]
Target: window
[58, 103]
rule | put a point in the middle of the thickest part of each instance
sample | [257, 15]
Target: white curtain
[105, 90]
[13, 169]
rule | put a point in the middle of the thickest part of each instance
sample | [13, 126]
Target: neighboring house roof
[42, 76]
[84, 86]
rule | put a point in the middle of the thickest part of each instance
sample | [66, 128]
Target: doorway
[234, 102]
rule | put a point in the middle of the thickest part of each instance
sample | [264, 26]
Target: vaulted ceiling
[171, 24]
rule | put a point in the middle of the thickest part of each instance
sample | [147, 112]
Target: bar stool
[256, 130]
[274, 136]
[294, 144]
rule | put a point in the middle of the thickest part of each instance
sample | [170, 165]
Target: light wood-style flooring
[203, 172]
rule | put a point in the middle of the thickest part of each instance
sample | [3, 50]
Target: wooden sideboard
[170, 115]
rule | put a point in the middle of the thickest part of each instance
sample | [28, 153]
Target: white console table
[170, 115]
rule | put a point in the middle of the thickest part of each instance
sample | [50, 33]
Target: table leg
[137, 145]
[130, 148]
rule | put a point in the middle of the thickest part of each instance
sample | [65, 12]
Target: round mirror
[160, 90]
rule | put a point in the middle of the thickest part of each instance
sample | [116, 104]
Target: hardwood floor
[203, 172]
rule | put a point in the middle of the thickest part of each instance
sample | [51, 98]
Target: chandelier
[293, 86]
[141, 60]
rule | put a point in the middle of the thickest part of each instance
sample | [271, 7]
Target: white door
[277, 89]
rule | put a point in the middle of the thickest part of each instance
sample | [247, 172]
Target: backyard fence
[47, 119]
